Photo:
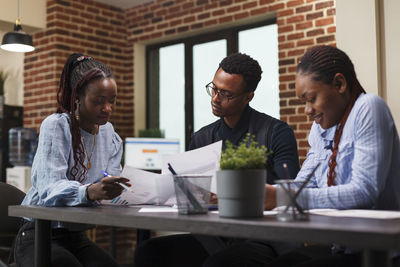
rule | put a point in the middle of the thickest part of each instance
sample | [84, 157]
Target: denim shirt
[52, 183]
[368, 160]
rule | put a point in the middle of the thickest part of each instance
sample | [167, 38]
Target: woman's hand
[270, 197]
[107, 188]
[213, 198]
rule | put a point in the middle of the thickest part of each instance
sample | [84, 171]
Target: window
[172, 91]
[206, 58]
[262, 44]
[178, 71]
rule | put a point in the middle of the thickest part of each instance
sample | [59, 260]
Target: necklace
[89, 165]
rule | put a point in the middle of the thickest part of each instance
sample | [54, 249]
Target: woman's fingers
[108, 187]
[115, 179]
[213, 198]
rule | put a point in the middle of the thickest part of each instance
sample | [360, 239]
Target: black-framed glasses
[223, 95]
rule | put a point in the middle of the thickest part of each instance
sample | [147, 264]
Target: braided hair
[244, 65]
[78, 72]
[323, 63]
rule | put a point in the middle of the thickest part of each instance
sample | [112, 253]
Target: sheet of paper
[158, 209]
[204, 160]
[370, 214]
[158, 189]
[148, 188]
[266, 212]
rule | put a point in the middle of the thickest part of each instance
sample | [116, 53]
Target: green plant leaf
[152, 132]
[247, 155]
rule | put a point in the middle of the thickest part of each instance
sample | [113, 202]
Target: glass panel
[172, 92]
[206, 58]
[262, 44]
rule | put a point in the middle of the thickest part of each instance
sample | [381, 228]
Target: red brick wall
[301, 24]
[78, 26]
[108, 34]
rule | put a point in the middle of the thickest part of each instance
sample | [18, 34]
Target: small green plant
[3, 77]
[248, 155]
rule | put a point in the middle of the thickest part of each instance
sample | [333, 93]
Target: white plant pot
[241, 193]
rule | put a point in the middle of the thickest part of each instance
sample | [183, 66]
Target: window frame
[152, 70]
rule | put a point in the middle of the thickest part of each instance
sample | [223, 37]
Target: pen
[288, 191]
[121, 184]
[285, 168]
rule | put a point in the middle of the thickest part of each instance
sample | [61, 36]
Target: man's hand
[107, 188]
[270, 197]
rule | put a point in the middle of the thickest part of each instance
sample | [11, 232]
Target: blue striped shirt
[52, 183]
[368, 160]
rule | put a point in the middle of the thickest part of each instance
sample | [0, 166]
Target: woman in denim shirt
[75, 144]
[353, 138]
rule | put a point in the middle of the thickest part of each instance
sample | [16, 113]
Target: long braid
[78, 72]
[323, 63]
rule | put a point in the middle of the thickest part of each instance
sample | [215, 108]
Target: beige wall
[32, 14]
[33, 18]
[356, 35]
[13, 65]
[391, 60]
[368, 31]
[139, 96]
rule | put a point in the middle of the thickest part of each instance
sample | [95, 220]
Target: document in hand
[147, 187]
[204, 160]
[153, 188]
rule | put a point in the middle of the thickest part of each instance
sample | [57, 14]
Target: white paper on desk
[266, 212]
[204, 160]
[158, 209]
[148, 188]
[369, 214]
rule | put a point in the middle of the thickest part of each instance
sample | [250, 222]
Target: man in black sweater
[231, 91]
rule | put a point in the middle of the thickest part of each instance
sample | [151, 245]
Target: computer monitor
[146, 153]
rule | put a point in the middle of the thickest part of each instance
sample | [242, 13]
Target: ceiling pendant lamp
[17, 41]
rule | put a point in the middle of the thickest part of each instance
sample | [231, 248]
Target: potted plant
[241, 179]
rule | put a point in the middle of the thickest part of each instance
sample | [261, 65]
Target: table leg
[372, 258]
[113, 250]
[42, 243]
[142, 235]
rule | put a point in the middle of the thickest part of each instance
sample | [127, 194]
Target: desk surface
[353, 232]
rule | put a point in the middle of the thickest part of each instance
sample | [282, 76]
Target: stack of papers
[158, 189]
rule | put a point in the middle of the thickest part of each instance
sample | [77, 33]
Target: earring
[77, 110]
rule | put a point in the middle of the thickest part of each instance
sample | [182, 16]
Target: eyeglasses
[223, 95]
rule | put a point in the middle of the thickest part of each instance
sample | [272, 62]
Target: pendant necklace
[89, 165]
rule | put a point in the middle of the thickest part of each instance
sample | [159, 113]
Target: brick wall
[108, 34]
[301, 24]
[78, 26]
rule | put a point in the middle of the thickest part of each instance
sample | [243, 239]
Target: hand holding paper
[153, 188]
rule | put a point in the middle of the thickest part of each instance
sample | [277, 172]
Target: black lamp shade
[17, 41]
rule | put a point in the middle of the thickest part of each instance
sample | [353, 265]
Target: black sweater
[275, 134]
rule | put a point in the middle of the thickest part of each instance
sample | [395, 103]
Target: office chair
[9, 195]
